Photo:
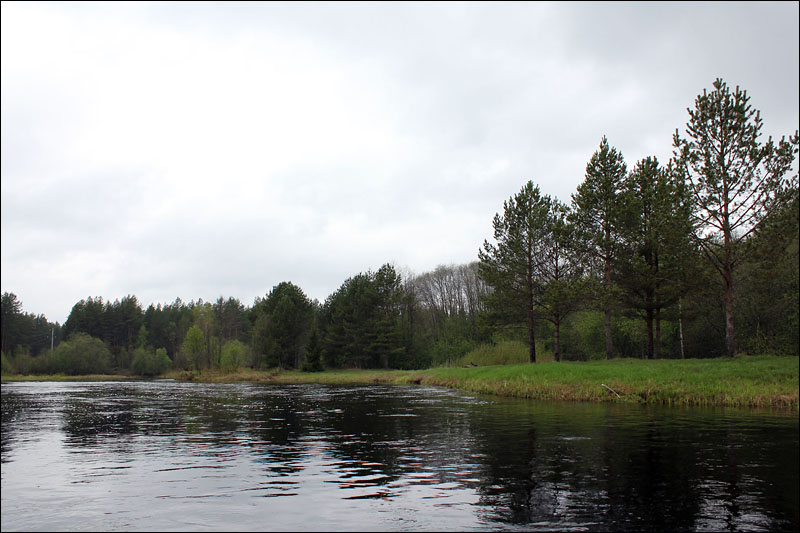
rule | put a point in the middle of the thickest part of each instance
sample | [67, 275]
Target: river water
[167, 456]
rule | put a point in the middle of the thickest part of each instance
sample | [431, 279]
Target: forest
[693, 257]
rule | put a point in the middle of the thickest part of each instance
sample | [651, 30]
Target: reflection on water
[161, 455]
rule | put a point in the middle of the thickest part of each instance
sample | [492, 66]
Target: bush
[7, 368]
[149, 363]
[141, 363]
[444, 351]
[583, 336]
[234, 354]
[501, 353]
[162, 361]
[82, 354]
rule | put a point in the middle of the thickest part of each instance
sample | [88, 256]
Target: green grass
[742, 381]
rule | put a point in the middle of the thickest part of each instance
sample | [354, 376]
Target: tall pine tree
[597, 210]
[734, 179]
[512, 267]
[656, 251]
[561, 273]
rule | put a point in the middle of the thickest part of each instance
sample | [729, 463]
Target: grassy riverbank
[741, 382]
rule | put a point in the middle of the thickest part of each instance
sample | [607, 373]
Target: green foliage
[82, 354]
[235, 354]
[656, 255]
[313, 351]
[565, 288]
[362, 322]
[115, 323]
[584, 336]
[147, 362]
[161, 361]
[23, 363]
[448, 350]
[167, 325]
[281, 326]
[141, 338]
[598, 208]
[142, 362]
[31, 332]
[767, 297]
[501, 353]
[194, 346]
[5, 365]
[231, 320]
[511, 267]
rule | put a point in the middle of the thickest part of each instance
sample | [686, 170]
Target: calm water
[162, 455]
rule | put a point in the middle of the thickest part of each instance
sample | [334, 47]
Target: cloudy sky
[216, 149]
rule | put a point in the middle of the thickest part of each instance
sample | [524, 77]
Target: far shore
[757, 381]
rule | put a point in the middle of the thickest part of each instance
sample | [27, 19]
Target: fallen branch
[612, 390]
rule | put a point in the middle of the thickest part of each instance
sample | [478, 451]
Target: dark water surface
[161, 455]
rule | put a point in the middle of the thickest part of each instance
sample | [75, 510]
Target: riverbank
[740, 382]
[745, 381]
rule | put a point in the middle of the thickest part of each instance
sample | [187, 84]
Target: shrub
[82, 354]
[149, 363]
[234, 354]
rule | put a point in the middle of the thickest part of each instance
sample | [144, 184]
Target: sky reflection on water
[187, 456]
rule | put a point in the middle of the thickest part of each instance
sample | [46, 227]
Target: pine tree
[313, 351]
[735, 180]
[560, 272]
[597, 209]
[654, 257]
[511, 267]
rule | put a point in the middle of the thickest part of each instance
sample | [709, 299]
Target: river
[168, 456]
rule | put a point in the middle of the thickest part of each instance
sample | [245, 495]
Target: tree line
[697, 256]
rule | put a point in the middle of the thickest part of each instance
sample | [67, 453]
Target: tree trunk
[657, 352]
[531, 336]
[727, 266]
[649, 321]
[729, 341]
[680, 326]
[607, 295]
[557, 343]
[608, 333]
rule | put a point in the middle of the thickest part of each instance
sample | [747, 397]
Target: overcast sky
[216, 149]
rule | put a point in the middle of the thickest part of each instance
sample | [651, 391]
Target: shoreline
[745, 381]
